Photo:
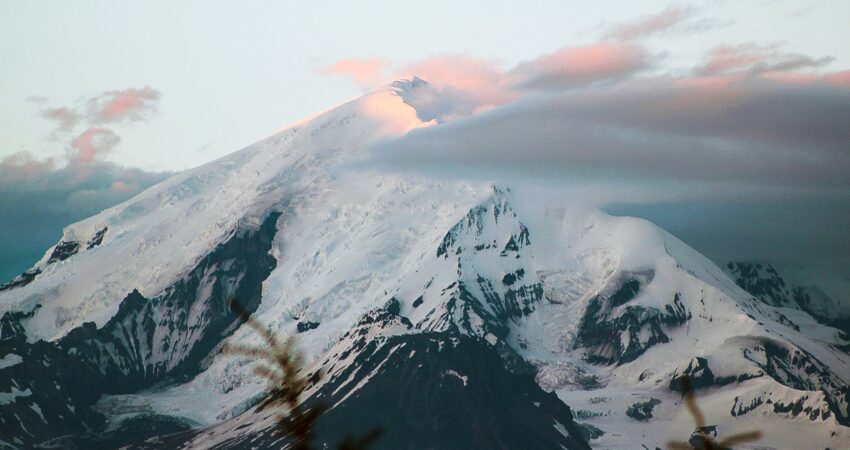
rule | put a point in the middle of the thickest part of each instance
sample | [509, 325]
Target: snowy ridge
[378, 273]
[157, 236]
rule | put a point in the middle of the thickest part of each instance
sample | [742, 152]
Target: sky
[101, 99]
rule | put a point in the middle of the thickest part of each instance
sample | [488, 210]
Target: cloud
[66, 118]
[41, 196]
[93, 143]
[463, 85]
[768, 150]
[752, 141]
[681, 19]
[458, 86]
[572, 66]
[365, 72]
[751, 131]
[840, 78]
[653, 24]
[754, 59]
[108, 107]
[128, 104]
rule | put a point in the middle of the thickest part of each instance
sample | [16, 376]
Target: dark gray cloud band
[38, 199]
[665, 145]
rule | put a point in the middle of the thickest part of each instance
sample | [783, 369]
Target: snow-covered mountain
[450, 313]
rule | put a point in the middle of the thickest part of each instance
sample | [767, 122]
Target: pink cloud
[753, 59]
[93, 142]
[478, 83]
[123, 186]
[366, 72]
[461, 85]
[22, 166]
[458, 71]
[129, 104]
[842, 78]
[573, 66]
[835, 78]
[653, 24]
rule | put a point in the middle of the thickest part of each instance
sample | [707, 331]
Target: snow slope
[604, 311]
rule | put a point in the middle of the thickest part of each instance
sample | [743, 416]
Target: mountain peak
[406, 85]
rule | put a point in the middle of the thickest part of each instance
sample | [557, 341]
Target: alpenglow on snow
[446, 312]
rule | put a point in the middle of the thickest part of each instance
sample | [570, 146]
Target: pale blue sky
[231, 73]
[153, 87]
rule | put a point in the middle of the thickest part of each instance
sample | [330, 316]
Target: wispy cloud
[754, 59]
[677, 18]
[572, 66]
[41, 196]
[365, 72]
[128, 104]
[92, 143]
[66, 118]
[463, 85]
[109, 107]
[653, 24]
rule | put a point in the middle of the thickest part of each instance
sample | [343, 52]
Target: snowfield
[609, 311]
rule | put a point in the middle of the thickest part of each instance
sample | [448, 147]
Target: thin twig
[706, 441]
[281, 365]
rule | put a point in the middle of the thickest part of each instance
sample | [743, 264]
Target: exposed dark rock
[798, 369]
[63, 251]
[419, 300]
[698, 441]
[642, 410]
[739, 408]
[607, 318]
[158, 340]
[761, 281]
[702, 377]
[628, 291]
[97, 239]
[171, 334]
[765, 283]
[21, 280]
[305, 326]
[590, 432]
[431, 390]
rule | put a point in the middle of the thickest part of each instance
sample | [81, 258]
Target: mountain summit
[444, 311]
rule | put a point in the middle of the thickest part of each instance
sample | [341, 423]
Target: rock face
[450, 314]
[765, 283]
[615, 333]
[422, 390]
[148, 341]
[62, 251]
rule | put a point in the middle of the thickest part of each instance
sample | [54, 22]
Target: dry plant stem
[282, 370]
[708, 443]
[691, 403]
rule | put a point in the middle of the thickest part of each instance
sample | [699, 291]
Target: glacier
[405, 289]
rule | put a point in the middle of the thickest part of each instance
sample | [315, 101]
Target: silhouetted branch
[281, 365]
[701, 439]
